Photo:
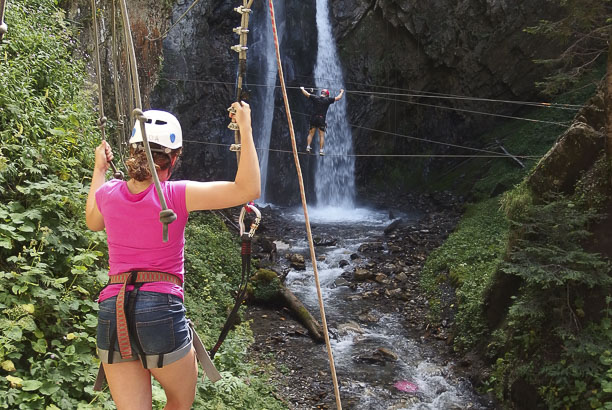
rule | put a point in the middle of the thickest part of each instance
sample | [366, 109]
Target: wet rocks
[297, 261]
[361, 274]
[383, 277]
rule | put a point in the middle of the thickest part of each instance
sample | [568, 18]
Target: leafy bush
[213, 275]
[51, 266]
[559, 304]
[467, 260]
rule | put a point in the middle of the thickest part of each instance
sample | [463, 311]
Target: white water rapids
[370, 386]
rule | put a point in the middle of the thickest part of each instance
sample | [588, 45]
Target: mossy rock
[265, 286]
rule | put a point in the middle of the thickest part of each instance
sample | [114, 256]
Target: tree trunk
[303, 315]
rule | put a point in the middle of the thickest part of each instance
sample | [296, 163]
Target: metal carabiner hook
[255, 224]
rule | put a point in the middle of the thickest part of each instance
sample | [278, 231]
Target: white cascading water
[335, 174]
[263, 45]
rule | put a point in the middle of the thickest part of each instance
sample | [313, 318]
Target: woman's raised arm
[247, 184]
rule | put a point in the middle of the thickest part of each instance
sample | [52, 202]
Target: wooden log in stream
[266, 287]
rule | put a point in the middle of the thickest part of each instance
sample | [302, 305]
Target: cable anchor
[242, 10]
[239, 48]
[240, 30]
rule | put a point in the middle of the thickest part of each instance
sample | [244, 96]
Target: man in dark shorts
[320, 104]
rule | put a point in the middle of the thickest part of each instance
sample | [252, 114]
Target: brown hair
[138, 167]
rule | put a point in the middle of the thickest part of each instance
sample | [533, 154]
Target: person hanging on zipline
[320, 105]
[149, 333]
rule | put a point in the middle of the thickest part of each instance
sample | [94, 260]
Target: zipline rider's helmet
[162, 128]
[325, 92]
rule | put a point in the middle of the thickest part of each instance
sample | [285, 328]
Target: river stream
[381, 360]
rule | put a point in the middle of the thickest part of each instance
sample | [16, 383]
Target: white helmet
[161, 127]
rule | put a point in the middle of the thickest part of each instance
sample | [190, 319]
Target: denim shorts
[161, 325]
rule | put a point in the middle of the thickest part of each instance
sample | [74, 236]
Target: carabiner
[255, 224]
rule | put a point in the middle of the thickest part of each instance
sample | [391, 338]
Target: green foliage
[549, 252]
[583, 31]
[212, 263]
[265, 285]
[51, 266]
[562, 283]
[467, 260]
[485, 178]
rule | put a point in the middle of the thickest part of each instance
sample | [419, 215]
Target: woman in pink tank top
[154, 338]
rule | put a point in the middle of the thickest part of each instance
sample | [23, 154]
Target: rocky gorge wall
[462, 47]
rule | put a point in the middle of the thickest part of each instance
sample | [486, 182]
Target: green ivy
[467, 260]
[51, 266]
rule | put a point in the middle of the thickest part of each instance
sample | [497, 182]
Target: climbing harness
[125, 332]
[246, 238]
[3, 26]
[102, 119]
[305, 207]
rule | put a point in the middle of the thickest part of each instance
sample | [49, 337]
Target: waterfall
[263, 57]
[335, 180]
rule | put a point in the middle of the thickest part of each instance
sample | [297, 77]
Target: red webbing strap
[123, 336]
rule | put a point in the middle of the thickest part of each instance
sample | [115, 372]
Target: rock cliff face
[387, 47]
[467, 48]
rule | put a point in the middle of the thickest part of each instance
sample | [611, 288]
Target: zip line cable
[305, 207]
[412, 93]
[492, 155]
[452, 97]
[102, 119]
[423, 93]
[415, 138]
[511, 117]
[372, 95]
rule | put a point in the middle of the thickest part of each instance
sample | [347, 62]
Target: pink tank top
[134, 233]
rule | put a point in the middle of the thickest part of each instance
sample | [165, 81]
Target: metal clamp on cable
[255, 224]
[239, 48]
[235, 147]
[242, 10]
[240, 30]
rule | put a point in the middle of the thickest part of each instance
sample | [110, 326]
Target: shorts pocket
[156, 336]
[103, 334]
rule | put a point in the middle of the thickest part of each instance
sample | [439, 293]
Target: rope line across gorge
[409, 93]
[496, 155]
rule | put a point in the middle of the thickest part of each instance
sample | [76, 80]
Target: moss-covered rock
[265, 286]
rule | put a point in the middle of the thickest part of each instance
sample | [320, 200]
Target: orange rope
[304, 205]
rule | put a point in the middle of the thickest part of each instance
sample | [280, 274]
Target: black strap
[242, 289]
